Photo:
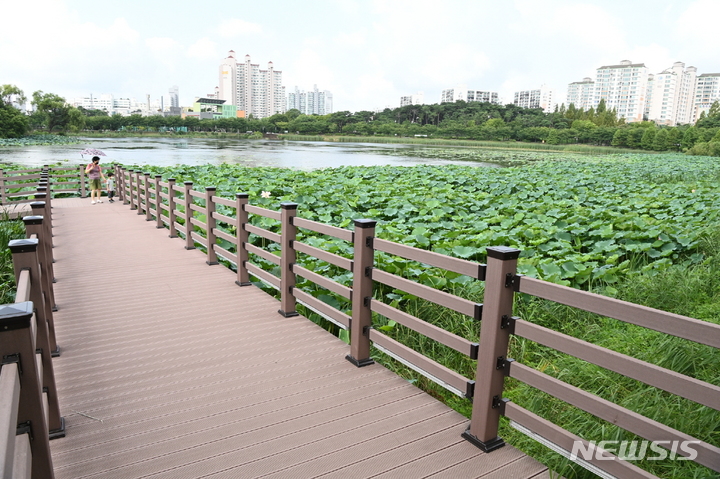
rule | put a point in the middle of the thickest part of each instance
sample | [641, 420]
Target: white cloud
[203, 49]
[235, 27]
[161, 44]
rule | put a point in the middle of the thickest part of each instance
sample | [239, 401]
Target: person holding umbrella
[96, 177]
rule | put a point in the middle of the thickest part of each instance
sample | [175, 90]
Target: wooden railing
[29, 407]
[20, 186]
[179, 208]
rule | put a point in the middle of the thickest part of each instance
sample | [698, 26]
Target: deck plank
[170, 370]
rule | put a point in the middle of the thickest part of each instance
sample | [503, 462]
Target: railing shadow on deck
[222, 227]
[29, 407]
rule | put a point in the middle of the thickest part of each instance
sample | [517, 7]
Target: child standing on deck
[110, 187]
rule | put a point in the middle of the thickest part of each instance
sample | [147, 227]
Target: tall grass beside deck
[9, 230]
[498, 145]
[696, 293]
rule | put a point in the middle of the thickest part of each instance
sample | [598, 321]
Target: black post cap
[363, 223]
[32, 220]
[37, 204]
[210, 188]
[503, 252]
[189, 183]
[242, 195]
[16, 315]
[288, 206]
[27, 245]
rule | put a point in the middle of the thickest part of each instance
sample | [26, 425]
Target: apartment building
[253, 91]
[624, 88]
[670, 95]
[707, 92]
[314, 102]
[544, 98]
[416, 99]
[581, 94]
[461, 92]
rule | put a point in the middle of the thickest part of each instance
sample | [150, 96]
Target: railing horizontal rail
[225, 219]
[264, 254]
[256, 210]
[224, 253]
[320, 280]
[224, 201]
[198, 239]
[324, 309]
[198, 223]
[624, 418]
[9, 405]
[197, 194]
[263, 275]
[21, 177]
[656, 376]
[681, 326]
[442, 298]
[262, 232]
[323, 255]
[23, 287]
[440, 335]
[224, 235]
[563, 441]
[322, 228]
[446, 377]
[456, 265]
[199, 209]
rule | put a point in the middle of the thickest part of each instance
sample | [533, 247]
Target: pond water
[197, 151]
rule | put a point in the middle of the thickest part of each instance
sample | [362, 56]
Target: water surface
[199, 151]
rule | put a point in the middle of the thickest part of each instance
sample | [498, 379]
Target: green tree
[689, 138]
[55, 111]
[646, 143]
[660, 143]
[673, 141]
[620, 138]
[13, 122]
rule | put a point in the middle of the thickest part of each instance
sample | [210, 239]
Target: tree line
[460, 120]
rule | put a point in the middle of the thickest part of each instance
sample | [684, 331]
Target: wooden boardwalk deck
[170, 370]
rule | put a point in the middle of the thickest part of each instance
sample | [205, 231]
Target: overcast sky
[368, 53]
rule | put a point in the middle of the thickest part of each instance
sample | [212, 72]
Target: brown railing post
[172, 212]
[494, 336]
[138, 189]
[126, 189]
[362, 293]
[187, 201]
[83, 191]
[158, 202]
[34, 226]
[142, 191]
[44, 212]
[25, 257]
[131, 187]
[211, 225]
[148, 210]
[17, 345]
[287, 258]
[2, 187]
[241, 216]
[48, 206]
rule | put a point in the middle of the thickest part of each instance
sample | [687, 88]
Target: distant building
[707, 92]
[416, 99]
[211, 109]
[624, 88]
[112, 105]
[314, 102]
[581, 94]
[670, 95]
[461, 92]
[543, 98]
[254, 91]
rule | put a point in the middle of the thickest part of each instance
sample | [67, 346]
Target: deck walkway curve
[170, 370]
